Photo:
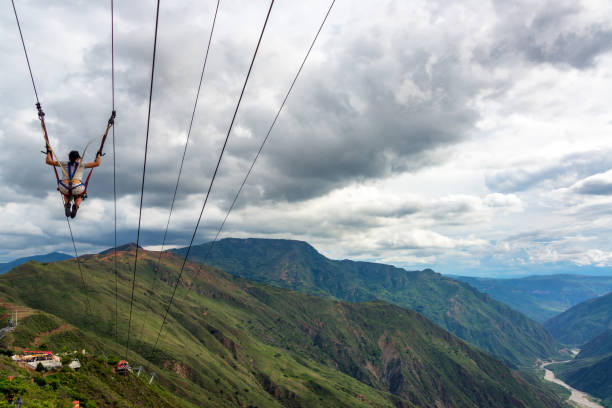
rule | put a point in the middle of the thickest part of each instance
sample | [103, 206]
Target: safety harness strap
[41, 117]
[111, 122]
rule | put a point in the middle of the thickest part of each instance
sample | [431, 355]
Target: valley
[579, 398]
[455, 306]
[542, 297]
[229, 340]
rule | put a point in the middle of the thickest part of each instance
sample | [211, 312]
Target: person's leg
[75, 206]
[66, 205]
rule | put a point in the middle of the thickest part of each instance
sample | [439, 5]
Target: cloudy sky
[467, 136]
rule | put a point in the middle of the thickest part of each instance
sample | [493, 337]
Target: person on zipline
[71, 185]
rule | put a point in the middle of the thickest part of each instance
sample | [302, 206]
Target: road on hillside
[4, 331]
[578, 397]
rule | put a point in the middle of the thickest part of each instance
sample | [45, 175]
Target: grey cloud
[549, 32]
[595, 187]
[565, 171]
[576, 49]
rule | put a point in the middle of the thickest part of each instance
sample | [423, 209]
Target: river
[578, 397]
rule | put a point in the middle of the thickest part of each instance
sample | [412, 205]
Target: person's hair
[73, 156]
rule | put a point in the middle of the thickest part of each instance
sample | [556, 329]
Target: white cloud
[430, 133]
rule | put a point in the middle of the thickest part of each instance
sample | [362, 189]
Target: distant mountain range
[231, 342]
[454, 306]
[50, 257]
[542, 297]
[583, 322]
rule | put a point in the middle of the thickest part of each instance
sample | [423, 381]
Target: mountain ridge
[583, 322]
[50, 257]
[541, 297]
[453, 305]
[233, 342]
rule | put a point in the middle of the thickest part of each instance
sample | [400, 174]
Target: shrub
[113, 360]
[40, 368]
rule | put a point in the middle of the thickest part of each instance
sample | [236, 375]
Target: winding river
[578, 397]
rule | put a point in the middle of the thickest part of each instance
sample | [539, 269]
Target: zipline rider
[71, 186]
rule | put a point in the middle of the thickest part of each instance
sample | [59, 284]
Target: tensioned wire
[229, 130]
[144, 171]
[195, 105]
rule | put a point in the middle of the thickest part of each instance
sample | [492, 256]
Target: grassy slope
[600, 346]
[51, 257]
[582, 322]
[94, 385]
[542, 297]
[455, 306]
[232, 342]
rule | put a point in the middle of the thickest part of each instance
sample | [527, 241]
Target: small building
[75, 364]
[33, 358]
[49, 365]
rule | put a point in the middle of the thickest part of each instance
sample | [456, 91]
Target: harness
[72, 167]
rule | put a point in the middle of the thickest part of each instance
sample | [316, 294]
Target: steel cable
[229, 130]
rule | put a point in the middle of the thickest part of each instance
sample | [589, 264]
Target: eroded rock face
[181, 369]
[392, 364]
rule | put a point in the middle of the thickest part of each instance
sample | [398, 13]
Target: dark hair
[73, 156]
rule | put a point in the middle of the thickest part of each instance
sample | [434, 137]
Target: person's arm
[95, 163]
[49, 159]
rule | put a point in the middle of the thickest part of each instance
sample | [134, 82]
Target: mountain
[50, 257]
[600, 346]
[591, 370]
[591, 375]
[582, 322]
[542, 297]
[230, 342]
[455, 306]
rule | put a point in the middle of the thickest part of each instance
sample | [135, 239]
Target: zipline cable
[114, 174]
[229, 130]
[25, 51]
[267, 135]
[41, 117]
[181, 166]
[144, 171]
[85, 289]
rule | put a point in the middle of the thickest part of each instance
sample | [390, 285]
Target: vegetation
[542, 297]
[582, 322]
[600, 346]
[52, 257]
[591, 370]
[229, 342]
[455, 306]
[591, 375]
[94, 385]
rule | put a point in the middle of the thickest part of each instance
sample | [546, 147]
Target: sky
[468, 137]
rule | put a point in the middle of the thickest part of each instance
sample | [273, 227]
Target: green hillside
[600, 346]
[93, 385]
[582, 322]
[230, 342]
[591, 375]
[455, 306]
[51, 257]
[542, 297]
